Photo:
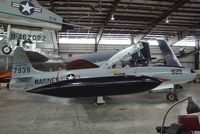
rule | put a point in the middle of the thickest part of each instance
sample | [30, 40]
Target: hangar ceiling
[131, 17]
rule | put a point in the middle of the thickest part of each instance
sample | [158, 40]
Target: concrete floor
[25, 113]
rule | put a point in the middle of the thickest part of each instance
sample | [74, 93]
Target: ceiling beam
[52, 5]
[165, 14]
[110, 13]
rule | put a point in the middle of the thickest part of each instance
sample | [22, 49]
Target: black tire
[6, 50]
[171, 96]
[7, 85]
[178, 86]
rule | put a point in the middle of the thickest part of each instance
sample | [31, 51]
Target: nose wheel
[172, 95]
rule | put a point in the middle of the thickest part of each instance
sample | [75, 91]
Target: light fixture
[112, 17]
[191, 108]
[167, 20]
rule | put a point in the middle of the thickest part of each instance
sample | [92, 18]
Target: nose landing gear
[172, 95]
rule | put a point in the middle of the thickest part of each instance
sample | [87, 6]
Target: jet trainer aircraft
[55, 83]
[99, 81]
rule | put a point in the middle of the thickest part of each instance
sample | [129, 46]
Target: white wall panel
[76, 48]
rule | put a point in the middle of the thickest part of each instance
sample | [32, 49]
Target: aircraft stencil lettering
[15, 36]
[22, 70]
[46, 81]
[177, 71]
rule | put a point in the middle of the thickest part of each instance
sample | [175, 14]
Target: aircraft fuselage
[175, 75]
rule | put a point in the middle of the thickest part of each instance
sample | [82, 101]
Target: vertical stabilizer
[146, 50]
[168, 54]
[22, 66]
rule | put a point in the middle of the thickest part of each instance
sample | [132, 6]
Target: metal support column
[132, 39]
[7, 38]
[96, 45]
[197, 57]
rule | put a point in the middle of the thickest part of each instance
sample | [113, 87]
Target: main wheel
[7, 85]
[6, 50]
[178, 86]
[171, 96]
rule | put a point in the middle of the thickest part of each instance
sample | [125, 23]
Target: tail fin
[168, 54]
[146, 50]
[22, 66]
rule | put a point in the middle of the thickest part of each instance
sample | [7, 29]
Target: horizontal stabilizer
[36, 57]
[80, 64]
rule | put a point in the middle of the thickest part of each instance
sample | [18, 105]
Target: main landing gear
[172, 95]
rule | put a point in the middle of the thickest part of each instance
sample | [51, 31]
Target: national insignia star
[27, 8]
[71, 76]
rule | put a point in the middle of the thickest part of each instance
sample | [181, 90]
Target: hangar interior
[116, 24]
[104, 26]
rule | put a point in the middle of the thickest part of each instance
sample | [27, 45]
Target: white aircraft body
[25, 77]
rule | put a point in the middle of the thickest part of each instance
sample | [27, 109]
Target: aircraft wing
[15, 11]
[5, 77]
[93, 57]
[164, 85]
[121, 55]
[183, 54]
